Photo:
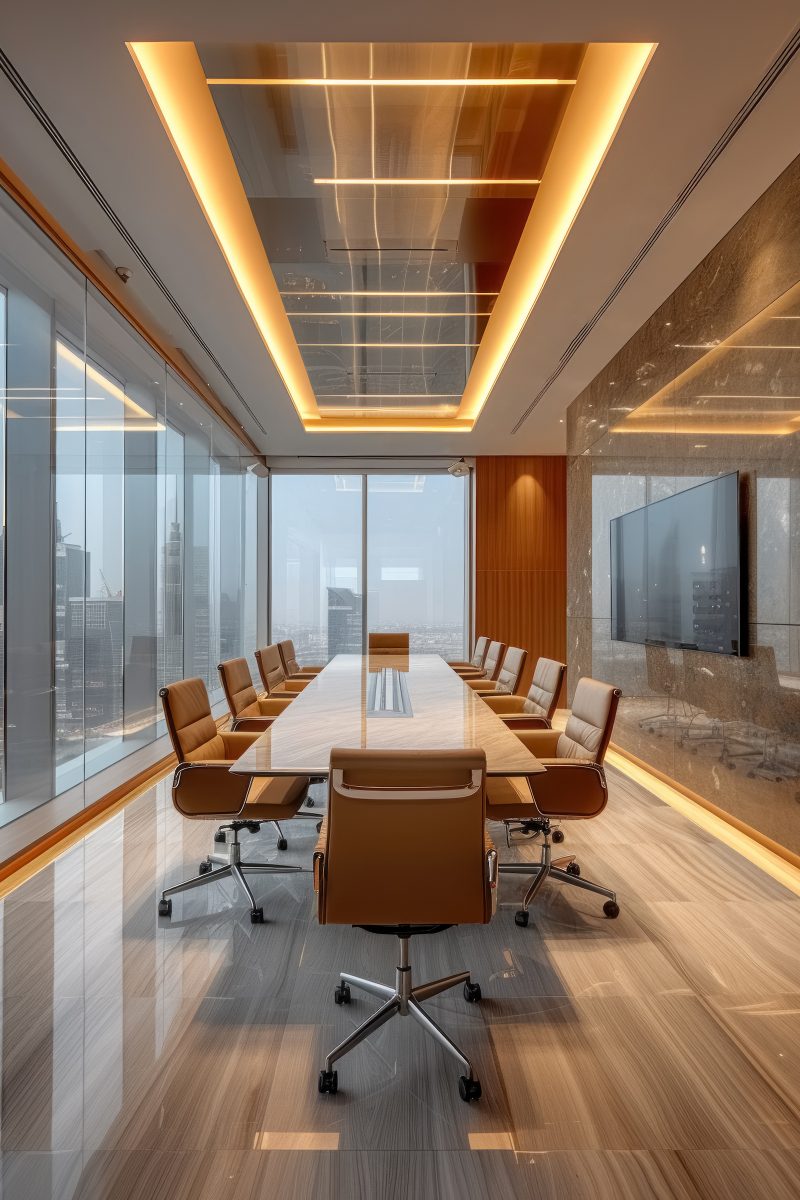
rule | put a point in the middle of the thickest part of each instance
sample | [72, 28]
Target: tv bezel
[741, 623]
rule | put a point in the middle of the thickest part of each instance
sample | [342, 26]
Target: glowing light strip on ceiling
[443, 181]
[311, 82]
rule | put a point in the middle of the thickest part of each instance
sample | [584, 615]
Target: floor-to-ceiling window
[130, 530]
[411, 530]
[316, 580]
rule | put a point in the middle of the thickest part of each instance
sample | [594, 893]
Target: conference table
[384, 702]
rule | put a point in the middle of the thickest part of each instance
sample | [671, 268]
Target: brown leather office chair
[204, 789]
[508, 676]
[491, 664]
[573, 788]
[250, 713]
[477, 660]
[388, 643]
[273, 676]
[534, 711]
[291, 666]
[374, 868]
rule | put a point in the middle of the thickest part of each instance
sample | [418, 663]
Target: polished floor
[653, 1056]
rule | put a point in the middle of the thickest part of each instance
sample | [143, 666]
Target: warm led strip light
[415, 295]
[387, 345]
[402, 316]
[178, 86]
[444, 181]
[255, 81]
[426, 396]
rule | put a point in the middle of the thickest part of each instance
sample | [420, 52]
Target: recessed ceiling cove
[390, 212]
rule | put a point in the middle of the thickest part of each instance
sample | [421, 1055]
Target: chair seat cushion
[272, 799]
[508, 799]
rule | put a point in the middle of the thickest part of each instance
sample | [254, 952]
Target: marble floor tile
[651, 1056]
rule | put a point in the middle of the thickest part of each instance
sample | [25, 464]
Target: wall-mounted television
[676, 570]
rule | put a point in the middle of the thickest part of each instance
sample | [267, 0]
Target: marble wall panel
[709, 385]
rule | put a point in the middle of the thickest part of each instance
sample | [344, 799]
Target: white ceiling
[711, 55]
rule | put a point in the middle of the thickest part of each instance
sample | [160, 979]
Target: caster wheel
[310, 802]
[165, 908]
[472, 992]
[731, 766]
[219, 837]
[282, 843]
[573, 869]
[257, 916]
[328, 1082]
[521, 918]
[558, 836]
[319, 826]
[253, 826]
[342, 994]
[611, 909]
[205, 866]
[469, 1089]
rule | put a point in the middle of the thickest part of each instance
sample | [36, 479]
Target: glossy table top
[384, 702]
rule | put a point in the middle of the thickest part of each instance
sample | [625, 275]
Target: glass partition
[130, 530]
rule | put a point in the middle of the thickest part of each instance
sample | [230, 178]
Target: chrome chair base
[563, 870]
[230, 866]
[403, 1000]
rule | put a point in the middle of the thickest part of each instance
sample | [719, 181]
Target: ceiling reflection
[747, 383]
[390, 185]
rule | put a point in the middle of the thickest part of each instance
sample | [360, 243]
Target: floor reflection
[147, 1058]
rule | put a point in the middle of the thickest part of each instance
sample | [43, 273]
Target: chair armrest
[525, 721]
[255, 725]
[236, 743]
[569, 787]
[293, 686]
[273, 706]
[208, 789]
[318, 867]
[503, 704]
[490, 859]
[541, 742]
[479, 684]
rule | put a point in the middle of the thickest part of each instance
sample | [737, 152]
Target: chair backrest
[542, 698]
[588, 730]
[479, 653]
[508, 676]
[494, 655]
[379, 869]
[270, 667]
[192, 729]
[288, 657]
[388, 643]
[237, 684]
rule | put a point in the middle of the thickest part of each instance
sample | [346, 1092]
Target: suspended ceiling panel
[390, 212]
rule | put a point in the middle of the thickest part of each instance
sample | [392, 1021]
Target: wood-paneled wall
[521, 554]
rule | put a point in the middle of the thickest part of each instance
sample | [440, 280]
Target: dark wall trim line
[777, 67]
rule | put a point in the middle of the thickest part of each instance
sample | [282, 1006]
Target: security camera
[125, 273]
[458, 468]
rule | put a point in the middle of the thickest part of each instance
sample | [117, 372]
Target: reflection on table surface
[338, 709]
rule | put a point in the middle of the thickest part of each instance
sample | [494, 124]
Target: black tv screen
[675, 570]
